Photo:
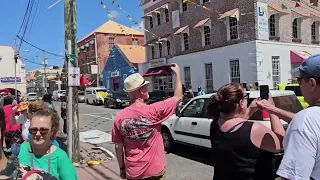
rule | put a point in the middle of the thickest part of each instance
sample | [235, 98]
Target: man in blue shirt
[200, 91]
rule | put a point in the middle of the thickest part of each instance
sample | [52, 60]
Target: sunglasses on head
[34, 131]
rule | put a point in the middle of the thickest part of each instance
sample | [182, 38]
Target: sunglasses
[246, 95]
[34, 131]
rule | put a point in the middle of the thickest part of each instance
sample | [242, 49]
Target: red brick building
[95, 47]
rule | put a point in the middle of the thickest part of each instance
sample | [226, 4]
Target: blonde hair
[39, 108]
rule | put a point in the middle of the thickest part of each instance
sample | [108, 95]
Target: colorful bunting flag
[297, 5]
[283, 6]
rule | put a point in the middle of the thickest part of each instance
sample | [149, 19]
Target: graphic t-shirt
[60, 165]
[139, 129]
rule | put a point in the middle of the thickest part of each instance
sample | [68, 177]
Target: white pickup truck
[190, 125]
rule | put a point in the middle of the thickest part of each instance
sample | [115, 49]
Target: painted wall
[116, 63]
[220, 59]
[255, 62]
[7, 69]
[267, 49]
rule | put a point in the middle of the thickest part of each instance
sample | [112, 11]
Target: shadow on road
[193, 153]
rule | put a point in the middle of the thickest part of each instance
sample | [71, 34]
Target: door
[116, 85]
[190, 125]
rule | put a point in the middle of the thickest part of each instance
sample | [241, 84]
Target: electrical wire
[54, 54]
[33, 62]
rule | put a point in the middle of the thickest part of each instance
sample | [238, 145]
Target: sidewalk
[107, 170]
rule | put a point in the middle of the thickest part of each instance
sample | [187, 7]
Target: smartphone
[264, 92]
[168, 68]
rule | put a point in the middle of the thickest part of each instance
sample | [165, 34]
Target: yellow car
[296, 89]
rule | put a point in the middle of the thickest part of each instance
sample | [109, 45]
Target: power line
[33, 62]
[54, 54]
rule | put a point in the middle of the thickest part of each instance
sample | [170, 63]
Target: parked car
[56, 95]
[32, 96]
[91, 96]
[117, 100]
[296, 89]
[190, 125]
[81, 97]
[157, 95]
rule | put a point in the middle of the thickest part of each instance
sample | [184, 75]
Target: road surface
[184, 162]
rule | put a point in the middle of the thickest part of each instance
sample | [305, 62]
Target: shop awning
[232, 13]
[164, 38]
[181, 30]
[315, 16]
[298, 13]
[166, 6]
[298, 57]
[277, 8]
[201, 23]
[158, 71]
[151, 42]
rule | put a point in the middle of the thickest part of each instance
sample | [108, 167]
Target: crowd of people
[241, 149]
[29, 150]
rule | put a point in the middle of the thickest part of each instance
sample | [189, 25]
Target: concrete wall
[255, 59]
[7, 64]
[265, 51]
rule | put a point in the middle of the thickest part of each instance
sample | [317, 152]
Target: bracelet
[122, 168]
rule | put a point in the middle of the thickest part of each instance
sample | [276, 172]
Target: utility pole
[70, 18]
[44, 74]
[16, 56]
[97, 58]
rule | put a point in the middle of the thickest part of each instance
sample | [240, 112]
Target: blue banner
[10, 79]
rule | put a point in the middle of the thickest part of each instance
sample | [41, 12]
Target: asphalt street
[184, 162]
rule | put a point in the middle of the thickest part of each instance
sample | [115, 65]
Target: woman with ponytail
[241, 149]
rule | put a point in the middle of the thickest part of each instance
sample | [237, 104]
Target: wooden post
[70, 17]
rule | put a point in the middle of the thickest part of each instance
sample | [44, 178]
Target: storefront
[160, 74]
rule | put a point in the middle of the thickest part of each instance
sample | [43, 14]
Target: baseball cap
[310, 66]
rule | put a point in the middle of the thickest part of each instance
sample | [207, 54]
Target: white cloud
[137, 26]
[115, 14]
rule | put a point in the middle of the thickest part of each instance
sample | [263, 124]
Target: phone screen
[264, 92]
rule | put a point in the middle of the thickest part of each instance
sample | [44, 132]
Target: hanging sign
[94, 69]
[263, 21]
[158, 62]
[115, 74]
[73, 76]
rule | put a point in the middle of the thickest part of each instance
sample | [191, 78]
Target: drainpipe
[97, 61]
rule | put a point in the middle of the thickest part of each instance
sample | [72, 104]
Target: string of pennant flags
[131, 18]
[126, 13]
[191, 3]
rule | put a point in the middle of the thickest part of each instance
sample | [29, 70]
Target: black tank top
[236, 157]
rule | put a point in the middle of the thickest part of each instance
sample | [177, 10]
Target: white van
[91, 96]
[57, 94]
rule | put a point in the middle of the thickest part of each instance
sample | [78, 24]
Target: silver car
[32, 96]
[81, 97]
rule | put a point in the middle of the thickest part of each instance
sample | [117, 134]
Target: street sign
[94, 69]
[73, 76]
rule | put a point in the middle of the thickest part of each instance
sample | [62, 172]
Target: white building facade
[7, 68]
[246, 42]
[265, 62]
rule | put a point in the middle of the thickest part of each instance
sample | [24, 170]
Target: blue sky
[47, 31]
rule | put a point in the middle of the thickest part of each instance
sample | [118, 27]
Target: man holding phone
[302, 140]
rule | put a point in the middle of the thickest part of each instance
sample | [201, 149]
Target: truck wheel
[167, 139]
[87, 101]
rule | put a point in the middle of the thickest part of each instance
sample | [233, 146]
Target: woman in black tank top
[241, 150]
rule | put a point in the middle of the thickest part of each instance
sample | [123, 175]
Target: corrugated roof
[134, 53]
[112, 27]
